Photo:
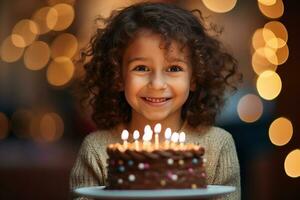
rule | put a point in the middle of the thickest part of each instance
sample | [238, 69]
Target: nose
[157, 81]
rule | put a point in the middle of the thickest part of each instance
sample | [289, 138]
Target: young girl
[155, 62]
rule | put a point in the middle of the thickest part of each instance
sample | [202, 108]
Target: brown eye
[174, 68]
[141, 68]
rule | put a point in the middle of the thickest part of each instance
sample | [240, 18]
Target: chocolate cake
[162, 168]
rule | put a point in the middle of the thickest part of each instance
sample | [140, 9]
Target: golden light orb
[273, 11]
[260, 63]
[280, 34]
[220, 6]
[46, 18]
[25, 29]
[37, 55]
[281, 131]
[51, 127]
[65, 44]
[60, 71]
[267, 2]
[9, 52]
[65, 16]
[250, 108]
[268, 85]
[292, 164]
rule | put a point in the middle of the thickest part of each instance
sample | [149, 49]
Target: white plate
[99, 193]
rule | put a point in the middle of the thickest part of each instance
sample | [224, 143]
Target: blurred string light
[250, 108]
[4, 126]
[45, 18]
[37, 55]
[9, 52]
[60, 71]
[279, 35]
[268, 85]
[281, 131]
[292, 164]
[65, 44]
[65, 16]
[272, 11]
[24, 33]
[220, 6]
[46, 127]
[267, 2]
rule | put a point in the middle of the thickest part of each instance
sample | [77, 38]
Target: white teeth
[156, 100]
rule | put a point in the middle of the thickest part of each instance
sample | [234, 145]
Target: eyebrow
[144, 59]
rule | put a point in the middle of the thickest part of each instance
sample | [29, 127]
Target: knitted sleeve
[228, 170]
[88, 168]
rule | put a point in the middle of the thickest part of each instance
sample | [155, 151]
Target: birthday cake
[146, 165]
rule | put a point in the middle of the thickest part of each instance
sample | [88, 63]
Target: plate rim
[119, 194]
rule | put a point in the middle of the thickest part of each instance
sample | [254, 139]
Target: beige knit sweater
[222, 165]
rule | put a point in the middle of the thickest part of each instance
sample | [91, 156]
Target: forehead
[146, 42]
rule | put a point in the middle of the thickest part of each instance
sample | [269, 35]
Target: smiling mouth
[155, 100]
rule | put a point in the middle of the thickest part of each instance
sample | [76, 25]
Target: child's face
[157, 81]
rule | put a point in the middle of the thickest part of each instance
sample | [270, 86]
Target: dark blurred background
[42, 124]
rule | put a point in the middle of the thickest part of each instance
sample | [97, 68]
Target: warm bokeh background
[42, 126]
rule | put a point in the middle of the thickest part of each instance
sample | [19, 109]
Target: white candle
[157, 129]
[182, 139]
[174, 139]
[136, 135]
[168, 133]
[124, 137]
[147, 136]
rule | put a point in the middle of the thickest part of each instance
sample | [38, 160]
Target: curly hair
[212, 67]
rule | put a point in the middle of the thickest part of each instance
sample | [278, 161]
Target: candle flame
[168, 133]
[157, 128]
[124, 135]
[175, 137]
[182, 137]
[136, 135]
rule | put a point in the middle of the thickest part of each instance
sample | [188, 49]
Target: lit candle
[157, 129]
[147, 136]
[182, 139]
[168, 134]
[136, 135]
[124, 137]
[174, 139]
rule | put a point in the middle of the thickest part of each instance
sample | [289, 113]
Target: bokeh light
[282, 55]
[65, 15]
[24, 33]
[267, 2]
[273, 11]
[60, 71]
[9, 52]
[4, 126]
[281, 131]
[268, 85]
[280, 33]
[261, 36]
[261, 63]
[46, 18]
[64, 45]
[219, 6]
[269, 54]
[51, 127]
[292, 164]
[37, 55]
[250, 108]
